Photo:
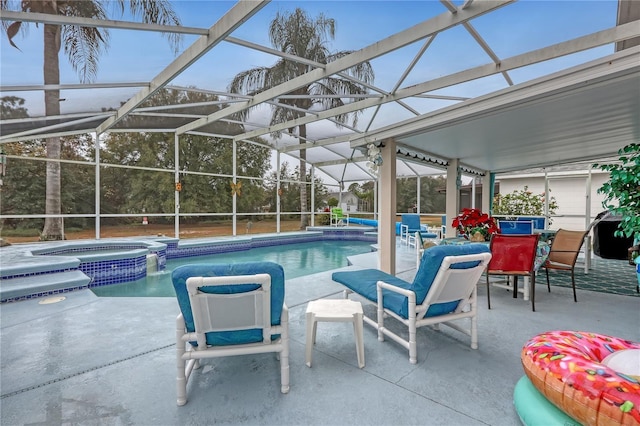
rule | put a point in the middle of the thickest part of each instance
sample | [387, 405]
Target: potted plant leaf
[622, 192]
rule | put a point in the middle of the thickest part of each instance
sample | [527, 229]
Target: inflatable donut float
[567, 368]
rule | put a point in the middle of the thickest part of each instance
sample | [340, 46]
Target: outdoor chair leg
[573, 284]
[547, 273]
[533, 291]
[488, 295]
[515, 286]
[548, 286]
[284, 354]
[181, 379]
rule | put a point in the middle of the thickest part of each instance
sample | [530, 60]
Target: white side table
[334, 310]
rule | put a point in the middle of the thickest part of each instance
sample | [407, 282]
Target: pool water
[296, 259]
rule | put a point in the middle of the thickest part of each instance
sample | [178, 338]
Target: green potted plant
[522, 203]
[622, 192]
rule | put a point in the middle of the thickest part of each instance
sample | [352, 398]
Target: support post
[387, 222]
[176, 171]
[278, 192]
[313, 196]
[453, 195]
[234, 193]
[486, 192]
[97, 199]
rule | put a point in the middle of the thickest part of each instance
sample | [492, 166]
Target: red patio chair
[513, 255]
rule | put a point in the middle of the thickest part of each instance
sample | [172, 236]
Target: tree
[622, 190]
[25, 185]
[128, 190]
[12, 107]
[406, 197]
[82, 45]
[298, 34]
[24, 179]
[432, 200]
[365, 194]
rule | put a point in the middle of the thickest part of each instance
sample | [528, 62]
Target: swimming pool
[297, 260]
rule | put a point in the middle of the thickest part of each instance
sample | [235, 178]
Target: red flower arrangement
[471, 221]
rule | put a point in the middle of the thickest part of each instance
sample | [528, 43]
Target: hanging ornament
[375, 159]
[236, 188]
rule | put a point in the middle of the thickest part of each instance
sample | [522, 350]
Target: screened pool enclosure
[462, 89]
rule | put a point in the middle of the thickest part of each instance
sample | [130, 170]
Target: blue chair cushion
[364, 282]
[429, 266]
[180, 275]
[412, 221]
[427, 234]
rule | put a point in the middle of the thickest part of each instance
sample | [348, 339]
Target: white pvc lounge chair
[411, 224]
[443, 290]
[230, 309]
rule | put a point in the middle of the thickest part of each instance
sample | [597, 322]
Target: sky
[136, 56]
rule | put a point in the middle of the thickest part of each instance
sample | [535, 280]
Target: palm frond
[12, 30]
[157, 12]
[83, 45]
[249, 82]
[298, 34]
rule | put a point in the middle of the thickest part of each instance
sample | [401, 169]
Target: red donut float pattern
[565, 366]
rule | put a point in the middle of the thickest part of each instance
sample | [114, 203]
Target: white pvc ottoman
[334, 310]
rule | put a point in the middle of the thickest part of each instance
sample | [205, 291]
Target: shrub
[522, 203]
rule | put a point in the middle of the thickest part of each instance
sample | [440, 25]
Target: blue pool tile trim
[127, 261]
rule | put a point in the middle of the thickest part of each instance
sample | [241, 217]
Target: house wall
[570, 192]
[349, 202]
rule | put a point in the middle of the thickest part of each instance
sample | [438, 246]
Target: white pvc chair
[229, 315]
[442, 292]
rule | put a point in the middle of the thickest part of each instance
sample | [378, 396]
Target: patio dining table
[542, 252]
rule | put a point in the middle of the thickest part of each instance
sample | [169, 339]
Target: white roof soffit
[593, 107]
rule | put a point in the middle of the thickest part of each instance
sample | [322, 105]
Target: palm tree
[297, 34]
[83, 46]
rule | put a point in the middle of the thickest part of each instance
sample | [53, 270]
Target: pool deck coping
[22, 266]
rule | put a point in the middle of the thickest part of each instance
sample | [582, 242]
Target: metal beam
[579, 44]
[339, 162]
[394, 42]
[10, 138]
[51, 127]
[318, 143]
[235, 17]
[36, 87]
[46, 18]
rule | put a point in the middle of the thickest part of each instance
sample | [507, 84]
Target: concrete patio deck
[91, 360]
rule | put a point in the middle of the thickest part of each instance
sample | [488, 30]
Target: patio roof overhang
[581, 114]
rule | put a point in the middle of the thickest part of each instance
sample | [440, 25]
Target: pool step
[42, 285]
